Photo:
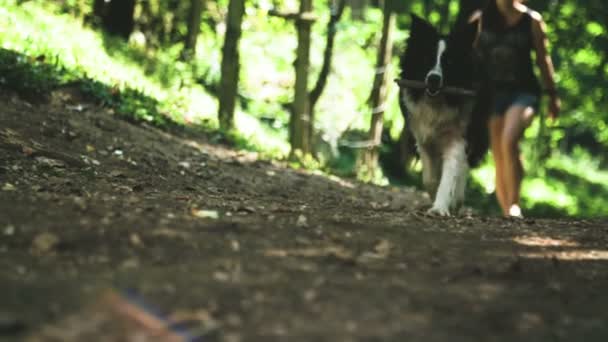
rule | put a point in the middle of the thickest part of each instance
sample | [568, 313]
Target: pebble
[45, 242]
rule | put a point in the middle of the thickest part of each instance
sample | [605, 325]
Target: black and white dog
[450, 129]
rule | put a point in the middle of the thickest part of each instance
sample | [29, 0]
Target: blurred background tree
[116, 16]
[194, 27]
[230, 63]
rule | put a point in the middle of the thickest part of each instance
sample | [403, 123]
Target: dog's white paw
[439, 211]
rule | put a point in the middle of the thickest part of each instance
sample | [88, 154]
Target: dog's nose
[434, 82]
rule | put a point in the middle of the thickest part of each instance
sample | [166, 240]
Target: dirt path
[247, 250]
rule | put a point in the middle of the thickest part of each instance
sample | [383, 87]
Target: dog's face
[436, 59]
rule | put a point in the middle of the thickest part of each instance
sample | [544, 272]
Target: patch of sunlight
[570, 255]
[267, 69]
[581, 163]
[484, 175]
[537, 190]
[341, 182]
[544, 241]
[417, 165]
[36, 31]
[201, 108]
[262, 137]
[340, 105]
[344, 102]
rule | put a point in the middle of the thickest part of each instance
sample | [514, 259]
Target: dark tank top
[506, 54]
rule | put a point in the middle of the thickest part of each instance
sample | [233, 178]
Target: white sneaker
[515, 211]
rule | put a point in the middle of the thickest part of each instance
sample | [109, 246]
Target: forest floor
[109, 228]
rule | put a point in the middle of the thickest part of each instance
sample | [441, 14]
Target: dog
[450, 130]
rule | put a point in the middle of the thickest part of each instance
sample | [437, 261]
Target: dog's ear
[467, 34]
[420, 25]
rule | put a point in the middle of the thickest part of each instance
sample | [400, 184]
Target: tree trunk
[427, 4]
[119, 18]
[99, 10]
[379, 91]
[300, 123]
[357, 7]
[230, 64]
[179, 15]
[194, 28]
[336, 13]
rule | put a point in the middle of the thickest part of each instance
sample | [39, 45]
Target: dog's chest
[432, 119]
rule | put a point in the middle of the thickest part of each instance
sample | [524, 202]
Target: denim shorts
[504, 100]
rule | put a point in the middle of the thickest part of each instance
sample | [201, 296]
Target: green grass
[62, 51]
[42, 49]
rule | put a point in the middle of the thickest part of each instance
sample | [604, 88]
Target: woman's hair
[492, 18]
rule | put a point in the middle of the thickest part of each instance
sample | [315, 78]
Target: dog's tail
[478, 139]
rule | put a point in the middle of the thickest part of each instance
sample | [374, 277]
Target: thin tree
[230, 64]
[180, 14]
[301, 118]
[337, 8]
[194, 28]
[300, 121]
[379, 91]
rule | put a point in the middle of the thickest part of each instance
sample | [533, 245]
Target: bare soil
[244, 249]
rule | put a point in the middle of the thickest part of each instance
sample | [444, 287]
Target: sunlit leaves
[588, 57]
[595, 29]
[568, 9]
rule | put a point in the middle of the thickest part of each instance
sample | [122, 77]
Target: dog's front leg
[453, 175]
[430, 172]
[461, 186]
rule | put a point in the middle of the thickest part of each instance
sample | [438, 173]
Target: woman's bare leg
[517, 118]
[496, 126]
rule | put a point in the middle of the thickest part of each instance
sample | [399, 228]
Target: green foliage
[27, 75]
[580, 46]
[559, 185]
[64, 51]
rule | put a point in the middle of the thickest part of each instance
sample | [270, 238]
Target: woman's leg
[517, 118]
[496, 127]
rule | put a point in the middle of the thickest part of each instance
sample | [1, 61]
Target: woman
[508, 32]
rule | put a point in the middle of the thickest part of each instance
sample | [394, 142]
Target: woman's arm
[543, 60]
[476, 18]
